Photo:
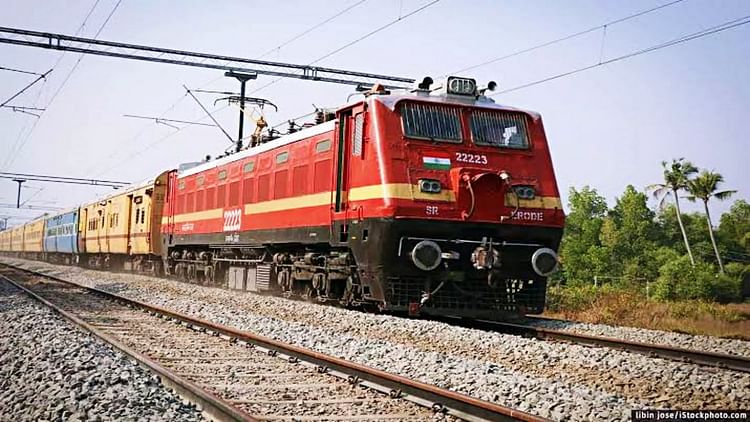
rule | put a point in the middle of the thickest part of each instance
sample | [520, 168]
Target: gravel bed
[52, 371]
[554, 380]
[667, 338]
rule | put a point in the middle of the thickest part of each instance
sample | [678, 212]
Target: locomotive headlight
[525, 192]
[544, 261]
[426, 255]
[461, 86]
[429, 186]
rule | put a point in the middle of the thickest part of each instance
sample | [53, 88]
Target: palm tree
[704, 187]
[676, 177]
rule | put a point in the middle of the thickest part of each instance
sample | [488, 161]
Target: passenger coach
[61, 237]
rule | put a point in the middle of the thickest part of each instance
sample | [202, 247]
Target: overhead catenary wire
[30, 207]
[566, 37]
[685, 38]
[355, 41]
[12, 97]
[17, 150]
[81, 56]
[12, 153]
[311, 29]
[58, 178]
[203, 85]
[161, 120]
[151, 145]
[375, 31]
[216, 122]
[10, 69]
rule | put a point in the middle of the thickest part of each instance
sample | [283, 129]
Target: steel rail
[452, 403]
[720, 360]
[211, 405]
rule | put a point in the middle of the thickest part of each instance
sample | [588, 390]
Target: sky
[607, 127]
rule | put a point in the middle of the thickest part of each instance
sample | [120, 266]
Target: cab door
[348, 142]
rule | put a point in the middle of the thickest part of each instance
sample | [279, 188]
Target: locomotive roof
[390, 101]
[284, 140]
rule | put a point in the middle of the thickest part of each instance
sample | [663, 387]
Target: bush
[701, 310]
[736, 270]
[678, 280]
[727, 288]
[571, 297]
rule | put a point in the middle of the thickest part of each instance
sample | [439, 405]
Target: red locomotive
[434, 201]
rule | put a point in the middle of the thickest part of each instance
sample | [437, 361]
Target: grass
[608, 305]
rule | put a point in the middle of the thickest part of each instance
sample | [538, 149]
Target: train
[431, 201]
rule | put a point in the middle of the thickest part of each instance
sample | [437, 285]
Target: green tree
[580, 251]
[704, 187]
[676, 176]
[734, 228]
[669, 228]
[630, 234]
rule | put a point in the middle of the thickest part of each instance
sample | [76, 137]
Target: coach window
[248, 167]
[222, 175]
[431, 122]
[503, 130]
[200, 180]
[282, 157]
[323, 146]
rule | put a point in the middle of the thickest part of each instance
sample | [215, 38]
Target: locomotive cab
[452, 203]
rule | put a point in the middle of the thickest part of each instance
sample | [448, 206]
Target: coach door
[129, 224]
[83, 221]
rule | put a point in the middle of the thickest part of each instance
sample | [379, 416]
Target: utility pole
[243, 78]
[18, 198]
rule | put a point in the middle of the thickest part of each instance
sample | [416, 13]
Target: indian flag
[437, 163]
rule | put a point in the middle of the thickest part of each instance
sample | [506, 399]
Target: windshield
[427, 121]
[507, 130]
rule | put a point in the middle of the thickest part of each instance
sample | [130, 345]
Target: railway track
[233, 375]
[720, 360]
